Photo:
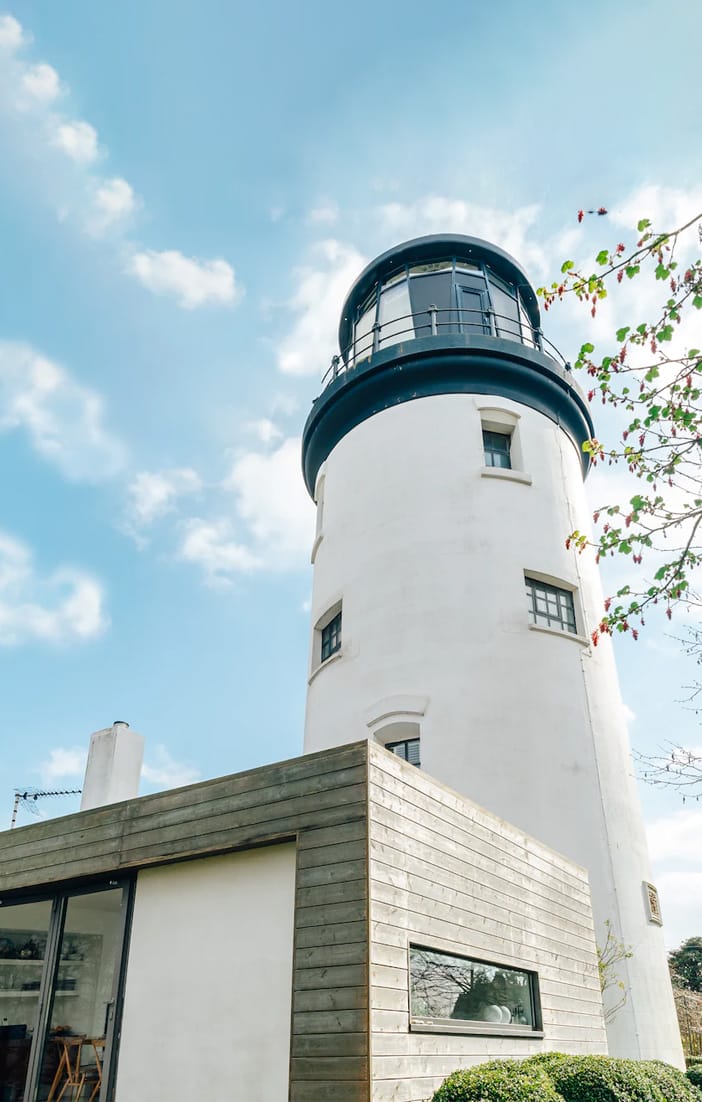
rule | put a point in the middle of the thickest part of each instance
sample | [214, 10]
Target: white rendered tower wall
[424, 550]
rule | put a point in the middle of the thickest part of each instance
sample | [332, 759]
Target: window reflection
[83, 997]
[395, 322]
[447, 987]
[23, 937]
[437, 298]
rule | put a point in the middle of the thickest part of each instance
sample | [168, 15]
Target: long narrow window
[550, 606]
[487, 997]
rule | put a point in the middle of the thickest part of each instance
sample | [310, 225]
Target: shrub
[498, 1081]
[557, 1077]
[608, 1079]
[694, 1074]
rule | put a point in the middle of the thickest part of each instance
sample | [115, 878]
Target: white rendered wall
[428, 555]
[208, 994]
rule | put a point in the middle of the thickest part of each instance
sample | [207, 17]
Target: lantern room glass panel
[394, 315]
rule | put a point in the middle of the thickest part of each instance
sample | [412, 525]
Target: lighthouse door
[472, 308]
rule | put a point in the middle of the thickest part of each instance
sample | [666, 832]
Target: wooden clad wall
[321, 801]
[447, 874]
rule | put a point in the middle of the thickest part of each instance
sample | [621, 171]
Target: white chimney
[114, 766]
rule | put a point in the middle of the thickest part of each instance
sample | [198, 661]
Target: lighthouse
[450, 622]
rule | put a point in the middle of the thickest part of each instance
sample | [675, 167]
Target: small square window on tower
[550, 606]
[497, 449]
[331, 637]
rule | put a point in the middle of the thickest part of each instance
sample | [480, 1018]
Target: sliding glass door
[60, 982]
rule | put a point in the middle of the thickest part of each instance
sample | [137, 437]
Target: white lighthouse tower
[449, 621]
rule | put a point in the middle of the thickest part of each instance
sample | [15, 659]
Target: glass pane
[450, 987]
[82, 997]
[395, 322]
[23, 936]
[527, 331]
[436, 266]
[471, 306]
[363, 335]
[506, 312]
[432, 290]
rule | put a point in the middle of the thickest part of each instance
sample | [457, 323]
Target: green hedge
[498, 1081]
[694, 1074]
[557, 1077]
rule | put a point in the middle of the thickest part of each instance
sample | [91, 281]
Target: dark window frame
[492, 449]
[419, 1024]
[330, 637]
[564, 619]
[393, 745]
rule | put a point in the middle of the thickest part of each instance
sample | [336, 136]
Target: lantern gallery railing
[436, 322]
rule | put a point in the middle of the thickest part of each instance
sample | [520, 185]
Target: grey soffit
[455, 364]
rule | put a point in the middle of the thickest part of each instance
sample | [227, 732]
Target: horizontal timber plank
[329, 1044]
[333, 998]
[306, 1090]
[319, 956]
[356, 910]
[330, 1021]
[341, 1068]
[310, 875]
[344, 975]
[320, 934]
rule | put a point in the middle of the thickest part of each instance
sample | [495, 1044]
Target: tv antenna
[28, 799]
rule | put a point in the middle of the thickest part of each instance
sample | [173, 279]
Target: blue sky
[186, 192]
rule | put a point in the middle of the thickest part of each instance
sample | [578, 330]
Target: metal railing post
[432, 316]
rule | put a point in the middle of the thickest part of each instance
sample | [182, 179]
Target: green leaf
[643, 224]
[602, 256]
[633, 270]
[621, 333]
[567, 265]
[660, 573]
[697, 302]
[666, 333]
[586, 349]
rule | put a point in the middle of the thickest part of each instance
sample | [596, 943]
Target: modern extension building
[412, 894]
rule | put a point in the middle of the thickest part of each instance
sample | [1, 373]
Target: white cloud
[681, 904]
[78, 140]
[510, 229]
[272, 501]
[676, 854]
[163, 771]
[265, 429]
[63, 763]
[66, 605]
[677, 837]
[666, 207]
[11, 33]
[41, 82]
[321, 290]
[326, 214]
[114, 201]
[191, 281]
[63, 419]
[211, 546]
[153, 494]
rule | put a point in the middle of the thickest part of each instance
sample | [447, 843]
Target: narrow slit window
[550, 606]
[331, 637]
[497, 447]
